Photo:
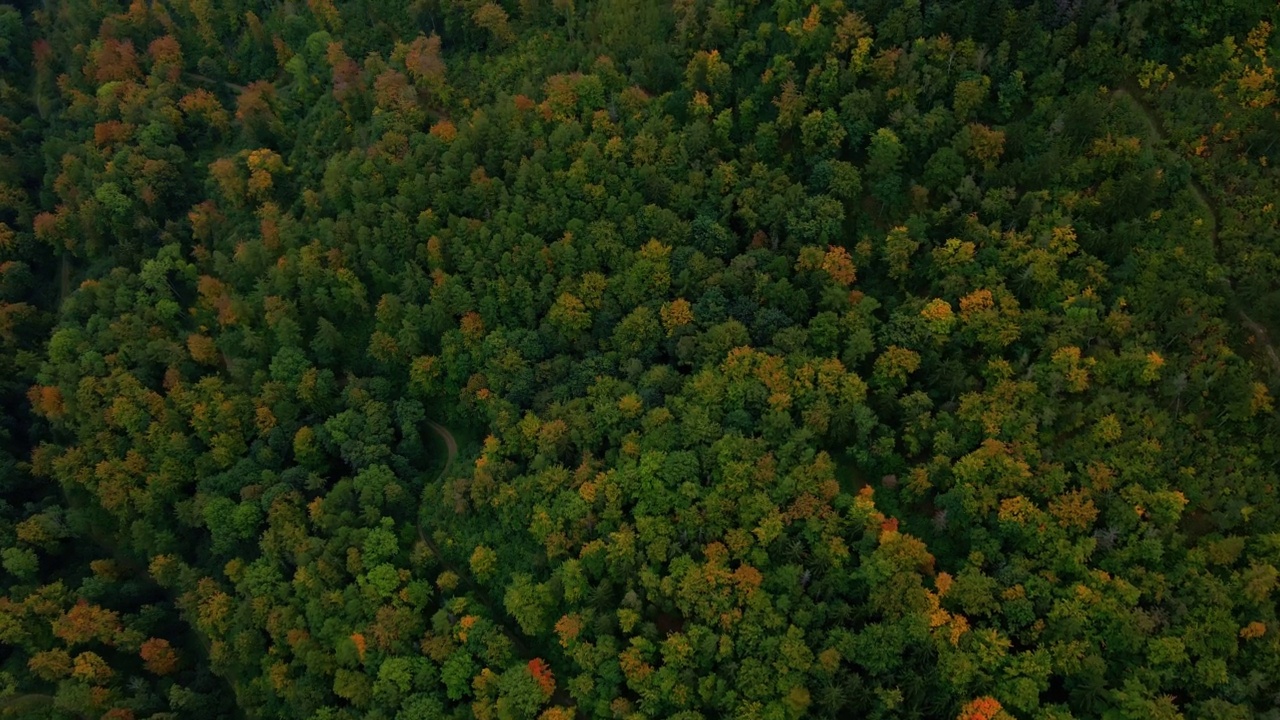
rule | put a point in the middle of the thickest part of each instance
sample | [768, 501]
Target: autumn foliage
[777, 360]
[158, 656]
[983, 708]
[542, 674]
[85, 623]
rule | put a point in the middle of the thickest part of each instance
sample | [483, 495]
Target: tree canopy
[701, 359]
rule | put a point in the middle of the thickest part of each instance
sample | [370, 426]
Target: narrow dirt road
[64, 278]
[26, 704]
[450, 444]
[210, 81]
[451, 450]
[1260, 334]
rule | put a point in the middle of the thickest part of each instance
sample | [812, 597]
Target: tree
[491, 17]
[839, 363]
[422, 60]
[159, 657]
[884, 162]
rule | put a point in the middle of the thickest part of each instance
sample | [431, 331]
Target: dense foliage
[711, 358]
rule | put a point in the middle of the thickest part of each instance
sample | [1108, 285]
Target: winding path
[1156, 129]
[560, 697]
[451, 448]
[210, 81]
[450, 443]
[28, 703]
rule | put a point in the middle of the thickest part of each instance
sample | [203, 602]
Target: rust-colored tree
[158, 656]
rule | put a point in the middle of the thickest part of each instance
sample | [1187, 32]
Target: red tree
[541, 672]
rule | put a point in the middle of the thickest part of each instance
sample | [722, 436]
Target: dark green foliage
[546, 359]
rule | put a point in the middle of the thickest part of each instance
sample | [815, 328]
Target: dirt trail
[451, 449]
[64, 278]
[211, 81]
[26, 704]
[1260, 333]
[450, 444]
[1156, 128]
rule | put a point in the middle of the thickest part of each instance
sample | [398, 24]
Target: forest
[639, 359]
